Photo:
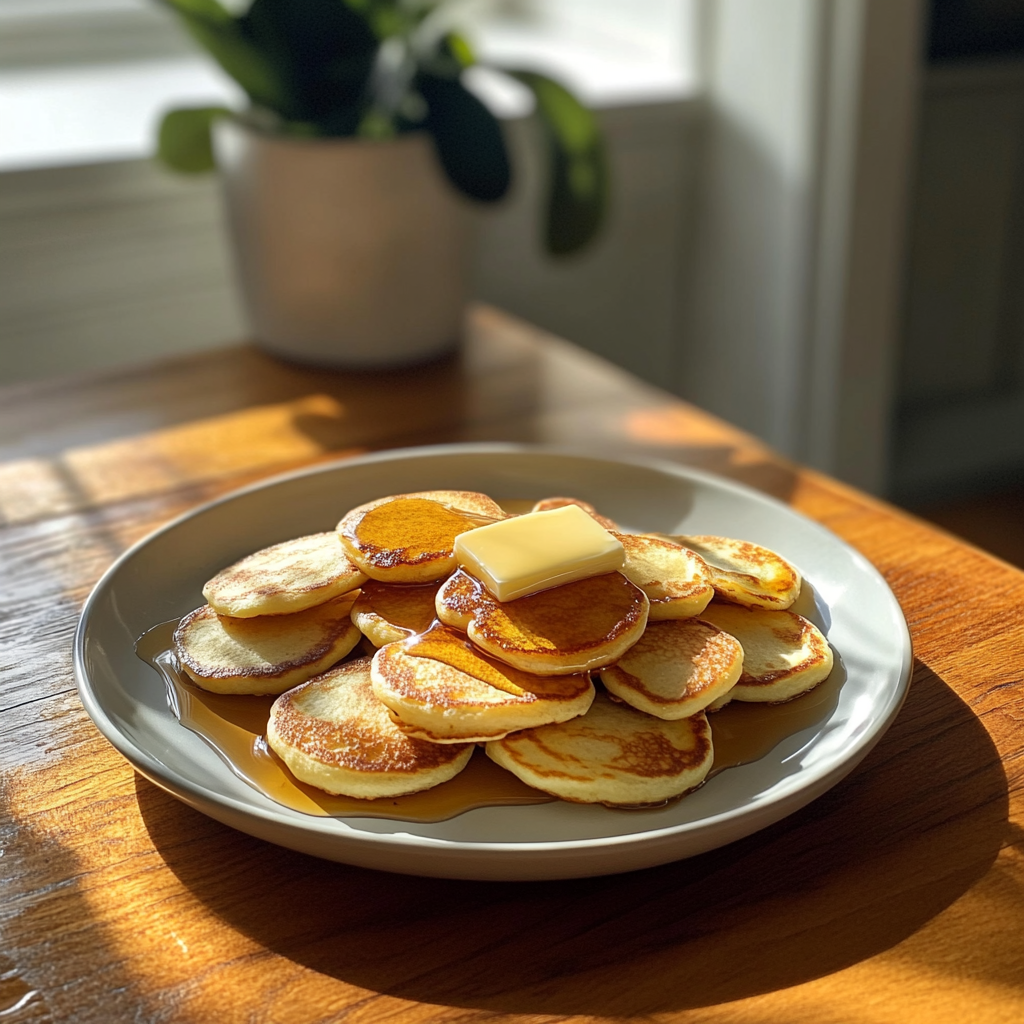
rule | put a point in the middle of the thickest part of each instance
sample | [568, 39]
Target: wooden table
[897, 897]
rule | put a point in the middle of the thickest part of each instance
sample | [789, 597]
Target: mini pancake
[334, 734]
[408, 538]
[387, 612]
[612, 755]
[546, 504]
[284, 578]
[717, 705]
[675, 580]
[441, 688]
[576, 627]
[784, 655]
[746, 573]
[676, 668]
[268, 654]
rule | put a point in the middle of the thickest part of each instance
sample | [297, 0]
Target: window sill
[108, 112]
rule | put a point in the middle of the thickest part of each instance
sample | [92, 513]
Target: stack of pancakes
[595, 691]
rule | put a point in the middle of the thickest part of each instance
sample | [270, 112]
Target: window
[85, 80]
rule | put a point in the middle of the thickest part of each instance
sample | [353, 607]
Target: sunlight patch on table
[670, 425]
[266, 437]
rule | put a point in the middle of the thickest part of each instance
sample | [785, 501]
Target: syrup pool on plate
[235, 727]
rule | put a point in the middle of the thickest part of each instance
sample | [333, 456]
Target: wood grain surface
[898, 896]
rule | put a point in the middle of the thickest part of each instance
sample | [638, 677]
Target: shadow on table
[846, 878]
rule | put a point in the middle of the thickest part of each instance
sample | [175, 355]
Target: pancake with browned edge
[284, 578]
[677, 668]
[612, 755]
[575, 627]
[386, 612]
[408, 538]
[675, 580]
[268, 654]
[784, 655]
[441, 688]
[746, 573]
[333, 733]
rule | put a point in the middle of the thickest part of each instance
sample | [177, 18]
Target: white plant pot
[350, 253]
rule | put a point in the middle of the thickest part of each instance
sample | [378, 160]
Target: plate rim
[153, 769]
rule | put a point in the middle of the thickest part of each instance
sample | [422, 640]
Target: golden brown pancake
[675, 580]
[333, 733]
[572, 628]
[612, 755]
[284, 578]
[720, 702]
[746, 573]
[408, 538]
[546, 504]
[677, 668]
[268, 654]
[441, 688]
[386, 612]
[784, 655]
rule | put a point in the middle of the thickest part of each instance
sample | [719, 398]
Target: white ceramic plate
[161, 577]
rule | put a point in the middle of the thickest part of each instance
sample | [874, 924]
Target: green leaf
[222, 35]
[468, 137]
[313, 32]
[579, 168]
[389, 21]
[390, 18]
[376, 125]
[456, 46]
[208, 9]
[322, 51]
[184, 142]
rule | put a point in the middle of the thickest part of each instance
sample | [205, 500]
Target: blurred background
[817, 229]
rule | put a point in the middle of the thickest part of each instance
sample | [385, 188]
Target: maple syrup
[408, 607]
[743, 732]
[407, 530]
[439, 643]
[235, 726]
[577, 620]
[516, 506]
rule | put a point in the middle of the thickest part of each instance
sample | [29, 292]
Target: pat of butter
[525, 554]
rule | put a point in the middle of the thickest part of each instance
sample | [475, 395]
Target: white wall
[748, 286]
[793, 302]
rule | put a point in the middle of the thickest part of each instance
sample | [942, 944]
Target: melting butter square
[533, 552]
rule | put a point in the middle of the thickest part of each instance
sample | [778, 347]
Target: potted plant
[346, 178]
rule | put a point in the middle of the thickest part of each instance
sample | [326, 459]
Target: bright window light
[86, 81]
